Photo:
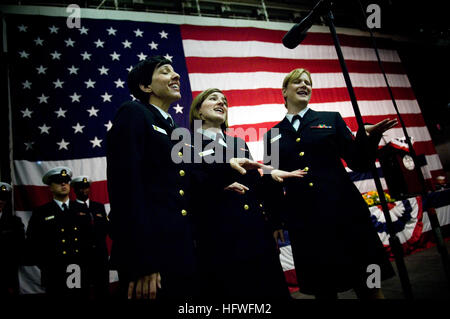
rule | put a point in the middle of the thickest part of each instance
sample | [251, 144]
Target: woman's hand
[279, 175]
[145, 287]
[380, 127]
[237, 187]
[243, 164]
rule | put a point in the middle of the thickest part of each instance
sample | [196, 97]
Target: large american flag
[66, 85]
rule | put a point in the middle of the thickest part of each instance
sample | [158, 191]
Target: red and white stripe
[249, 64]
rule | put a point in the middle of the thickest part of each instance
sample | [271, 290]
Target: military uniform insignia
[85, 180]
[276, 138]
[160, 130]
[63, 172]
[208, 152]
[3, 188]
[322, 126]
[49, 217]
[98, 215]
[81, 213]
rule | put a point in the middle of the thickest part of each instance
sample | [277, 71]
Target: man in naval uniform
[12, 237]
[58, 239]
[98, 271]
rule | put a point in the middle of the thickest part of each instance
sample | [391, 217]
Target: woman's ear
[146, 89]
[283, 90]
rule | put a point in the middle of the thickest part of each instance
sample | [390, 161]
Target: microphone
[298, 32]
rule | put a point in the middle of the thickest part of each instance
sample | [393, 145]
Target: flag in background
[66, 85]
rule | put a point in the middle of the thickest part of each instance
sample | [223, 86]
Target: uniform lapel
[285, 124]
[160, 120]
[309, 117]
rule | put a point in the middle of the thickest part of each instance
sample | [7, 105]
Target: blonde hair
[194, 113]
[294, 75]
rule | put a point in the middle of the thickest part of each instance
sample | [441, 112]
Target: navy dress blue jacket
[331, 232]
[238, 257]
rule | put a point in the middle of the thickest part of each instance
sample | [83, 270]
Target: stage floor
[426, 274]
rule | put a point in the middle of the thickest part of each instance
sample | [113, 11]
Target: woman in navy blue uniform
[237, 253]
[329, 225]
[153, 248]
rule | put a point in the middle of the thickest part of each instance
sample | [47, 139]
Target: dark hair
[142, 73]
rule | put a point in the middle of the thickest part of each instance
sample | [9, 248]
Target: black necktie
[64, 207]
[296, 117]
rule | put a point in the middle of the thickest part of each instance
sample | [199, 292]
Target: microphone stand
[432, 215]
[393, 239]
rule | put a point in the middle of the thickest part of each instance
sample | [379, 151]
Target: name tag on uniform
[160, 130]
[98, 215]
[49, 217]
[276, 138]
[81, 213]
[208, 152]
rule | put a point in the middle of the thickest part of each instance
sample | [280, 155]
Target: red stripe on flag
[215, 33]
[274, 96]
[255, 64]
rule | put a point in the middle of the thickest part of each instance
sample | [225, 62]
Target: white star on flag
[92, 111]
[43, 98]
[58, 83]
[22, 28]
[53, 29]
[86, 56]
[130, 68]
[178, 109]
[23, 54]
[73, 70]
[138, 33]
[119, 83]
[41, 69]
[84, 30]
[89, 84]
[44, 129]
[168, 57]
[26, 84]
[26, 113]
[141, 56]
[163, 34]
[127, 44]
[69, 42]
[103, 70]
[38, 41]
[78, 128]
[111, 31]
[99, 43]
[55, 55]
[115, 56]
[29, 145]
[75, 97]
[108, 125]
[61, 113]
[106, 97]
[96, 142]
[63, 144]
[153, 45]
